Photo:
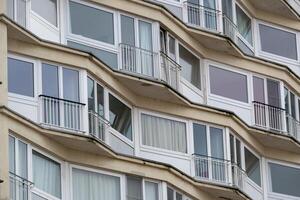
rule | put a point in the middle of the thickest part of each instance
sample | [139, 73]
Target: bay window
[284, 179]
[47, 9]
[164, 133]
[228, 84]
[244, 24]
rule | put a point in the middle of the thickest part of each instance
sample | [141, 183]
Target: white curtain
[164, 133]
[151, 190]
[46, 174]
[145, 54]
[94, 186]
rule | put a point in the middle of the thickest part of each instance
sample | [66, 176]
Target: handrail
[100, 117]
[205, 156]
[229, 20]
[257, 102]
[13, 175]
[171, 60]
[135, 47]
[59, 99]
[201, 6]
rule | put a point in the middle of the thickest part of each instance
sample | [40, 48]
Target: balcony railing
[61, 113]
[268, 117]
[293, 127]
[19, 187]
[229, 28]
[202, 17]
[170, 70]
[239, 176]
[98, 126]
[137, 60]
[212, 169]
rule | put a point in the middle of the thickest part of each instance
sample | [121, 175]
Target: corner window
[164, 133]
[244, 25]
[120, 117]
[252, 167]
[228, 84]
[47, 9]
[284, 179]
[20, 77]
[93, 185]
[92, 23]
[279, 42]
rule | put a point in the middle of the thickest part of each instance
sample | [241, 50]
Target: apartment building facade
[149, 99]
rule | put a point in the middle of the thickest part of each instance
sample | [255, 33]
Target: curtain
[164, 133]
[151, 190]
[46, 174]
[95, 186]
[146, 55]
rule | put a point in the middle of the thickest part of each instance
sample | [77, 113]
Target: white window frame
[228, 100]
[271, 56]
[159, 187]
[175, 191]
[161, 151]
[269, 179]
[120, 176]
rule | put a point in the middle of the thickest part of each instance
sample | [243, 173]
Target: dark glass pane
[91, 95]
[170, 194]
[216, 143]
[50, 80]
[71, 84]
[258, 89]
[100, 100]
[273, 93]
[252, 166]
[134, 188]
[200, 139]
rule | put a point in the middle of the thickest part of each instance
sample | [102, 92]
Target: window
[95, 97]
[252, 167]
[284, 179]
[134, 188]
[164, 133]
[120, 117]
[259, 89]
[273, 93]
[43, 168]
[190, 66]
[173, 194]
[20, 77]
[94, 186]
[16, 10]
[227, 9]
[151, 191]
[89, 22]
[228, 84]
[128, 31]
[50, 80]
[244, 25]
[71, 84]
[46, 9]
[278, 42]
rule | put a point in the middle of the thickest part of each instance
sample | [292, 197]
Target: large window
[252, 167]
[92, 23]
[244, 25]
[279, 42]
[120, 117]
[190, 66]
[94, 186]
[228, 84]
[20, 77]
[46, 9]
[164, 133]
[284, 179]
[43, 168]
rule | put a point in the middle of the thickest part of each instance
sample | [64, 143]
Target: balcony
[98, 126]
[269, 117]
[61, 113]
[293, 127]
[19, 187]
[170, 71]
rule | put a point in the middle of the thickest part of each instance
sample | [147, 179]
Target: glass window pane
[258, 89]
[228, 84]
[10, 8]
[286, 100]
[89, 22]
[21, 12]
[190, 66]
[200, 139]
[216, 143]
[91, 95]
[238, 153]
[227, 8]
[20, 77]
[232, 151]
[244, 24]
[95, 186]
[127, 29]
[120, 117]
[36, 197]
[12, 154]
[164, 133]
[134, 188]
[151, 190]
[273, 93]
[170, 194]
[100, 100]
[46, 169]
[46, 9]
[178, 196]
[71, 84]
[278, 42]
[284, 179]
[172, 51]
[22, 159]
[252, 166]
[50, 80]
[293, 106]
[145, 35]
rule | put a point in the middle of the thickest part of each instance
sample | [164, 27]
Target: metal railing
[201, 16]
[293, 127]
[212, 169]
[138, 60]
[229, 28]
[98, 126]
[19, 187]
[268, 117]
[170, 70]
[61, 113]
[239, 176]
